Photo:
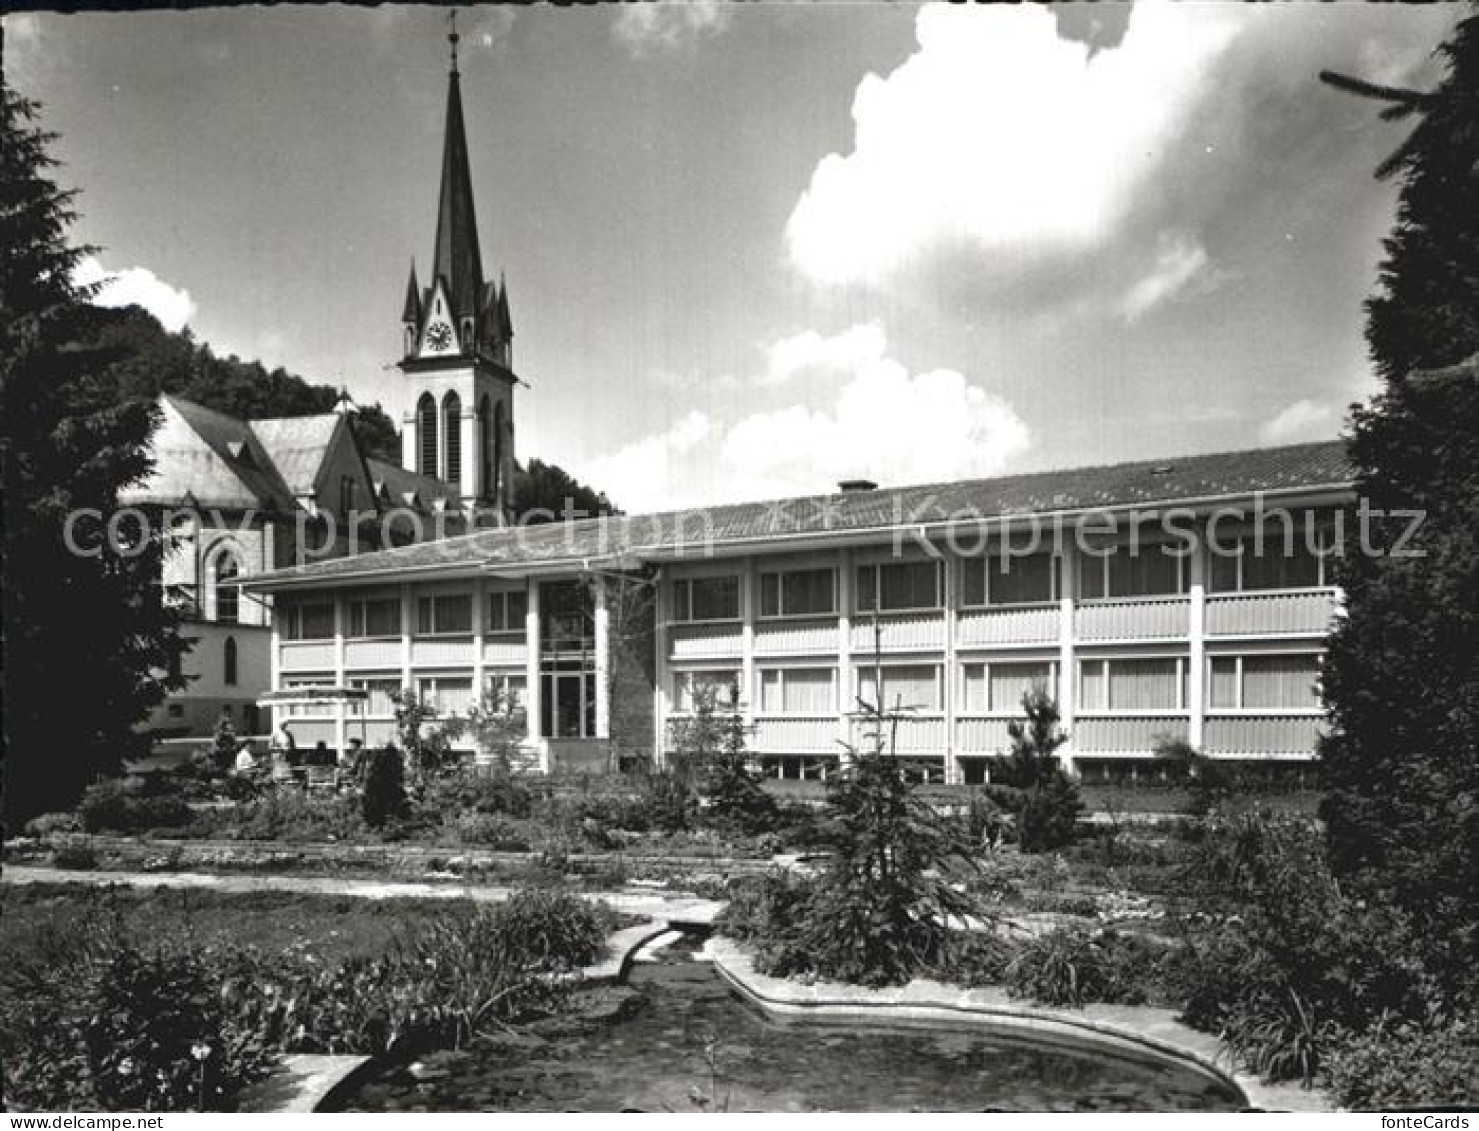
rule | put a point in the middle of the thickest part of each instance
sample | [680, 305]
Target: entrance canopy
[299, 696]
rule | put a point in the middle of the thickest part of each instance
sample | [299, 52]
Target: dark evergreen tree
[1401, 681]
[545, 492]
[154, 361]
[87, 636]
[1031, 783]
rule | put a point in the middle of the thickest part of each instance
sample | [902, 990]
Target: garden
[1228, 914]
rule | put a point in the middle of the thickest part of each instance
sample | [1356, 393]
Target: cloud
[1003, 143]
[137, 286]
[810, 352]
[885, 423]
[1178, 263]
[667, 26]
[1303, 420]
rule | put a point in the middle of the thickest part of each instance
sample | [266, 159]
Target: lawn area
[329, 927]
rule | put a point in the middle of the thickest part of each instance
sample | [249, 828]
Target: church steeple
[458, 264]
[459, 420]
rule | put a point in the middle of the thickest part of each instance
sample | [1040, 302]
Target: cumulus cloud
[1177, 264]
[657, 26]
[810, 352]
[1002, 139]
[885, 423]
[137, 286]
[1302, 420]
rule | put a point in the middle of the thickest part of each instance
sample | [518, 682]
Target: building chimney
[856, 486]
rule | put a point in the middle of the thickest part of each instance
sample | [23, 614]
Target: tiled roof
[1147, 482]
[297, 445]
[213, 457]
[399, 483]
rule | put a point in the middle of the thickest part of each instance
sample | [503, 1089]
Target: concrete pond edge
[922, 1001]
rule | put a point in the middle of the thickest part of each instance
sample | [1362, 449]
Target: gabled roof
[1147, 483]
[297, 446]
[212, 457]
[400, 483]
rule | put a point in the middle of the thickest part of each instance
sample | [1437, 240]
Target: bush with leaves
[712, 744]
[424, 738]
[885, 910]
[126, 806]
[92, 1019]
[1030, 782]
[1392, 1067]
[1071, 966]
[499, 726]
[383, 798]
[1278, 960]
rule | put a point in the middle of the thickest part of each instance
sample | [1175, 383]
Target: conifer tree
[87, 635]
[1401, 681]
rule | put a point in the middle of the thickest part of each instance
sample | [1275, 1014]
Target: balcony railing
[1127, 734]
[1017, 624]
[705, 641]
[898, 632]
[363, 654]
[911, 735]
[1292, 733]
[796, 637]
[307, 655]
[793, 734]
[455, 651]
[1270, 613]
[1142, 618]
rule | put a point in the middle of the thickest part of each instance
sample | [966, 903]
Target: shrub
[492, 831]
[78, 856]
[977, 958]
[117, 806]
[48, 824]
[1072, 966]
[1284, 960]
[384, 796]
[711, 747]
[668, 805]
[1030, 783]
[497, 793]
[460, 975]
[100, 1022]
[1406, 1066]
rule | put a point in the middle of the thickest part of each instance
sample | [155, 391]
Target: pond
[685, 1042]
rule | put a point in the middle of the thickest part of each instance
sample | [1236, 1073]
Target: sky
[755, 249]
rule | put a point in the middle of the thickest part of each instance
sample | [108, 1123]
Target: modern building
[246, 497]
[947, 601]
[1183, 599]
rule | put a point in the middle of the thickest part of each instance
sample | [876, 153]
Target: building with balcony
[1183, 599]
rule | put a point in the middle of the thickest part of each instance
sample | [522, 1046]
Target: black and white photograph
[700, 556]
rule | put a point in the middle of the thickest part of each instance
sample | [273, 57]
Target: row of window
[440, 614]
[1032, 579]
[1269, 682]
[448, 695]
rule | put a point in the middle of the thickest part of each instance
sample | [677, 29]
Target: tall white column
[949, 688]
[845, 681]
[533, 693]
[408, 624]
[663, 678]
[1067, 665]
[339, 680]
[603, 661]
[749, 607]
[479, 629]
[1196, 676]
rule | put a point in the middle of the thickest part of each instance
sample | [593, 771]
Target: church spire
[458, 263]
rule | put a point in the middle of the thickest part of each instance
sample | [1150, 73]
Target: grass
[332, 926]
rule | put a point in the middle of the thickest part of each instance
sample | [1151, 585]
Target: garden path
[678, 909]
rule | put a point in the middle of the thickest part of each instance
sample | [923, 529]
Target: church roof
[458, 261]
[297, 446]
[400, 484]
[1146, 483]
[211, 457]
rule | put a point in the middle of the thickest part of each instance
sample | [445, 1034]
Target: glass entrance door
[568, 704]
